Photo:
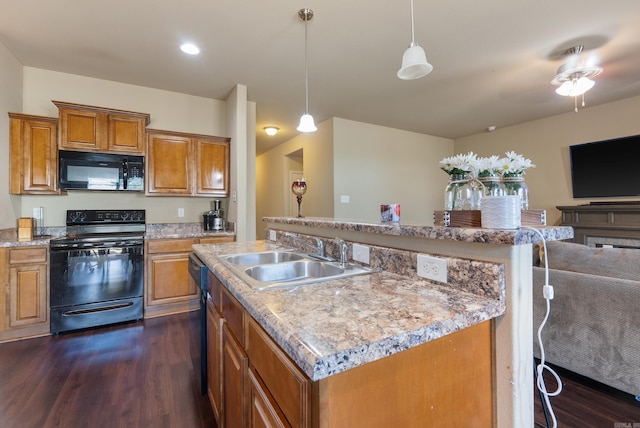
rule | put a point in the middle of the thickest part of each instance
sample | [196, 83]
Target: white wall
[241, 125]
[168, 110]
[546, 142]
[272, 176]
[377, 165]
[10, 101]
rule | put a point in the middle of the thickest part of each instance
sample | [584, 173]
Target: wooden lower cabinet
[264, 412]
[215, 325]
[169, 288]
[235, 366]
[445, 382]
[24, 303]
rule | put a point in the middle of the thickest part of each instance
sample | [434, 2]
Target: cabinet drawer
[28, 255]
[233, 313]
[290, 388]
[170, 246]
[216, 239]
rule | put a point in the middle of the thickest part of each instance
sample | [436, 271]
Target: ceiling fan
[573, 77]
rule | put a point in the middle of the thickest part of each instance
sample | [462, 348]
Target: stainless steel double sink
[282, 268]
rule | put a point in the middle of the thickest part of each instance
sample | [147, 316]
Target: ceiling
[493, 59]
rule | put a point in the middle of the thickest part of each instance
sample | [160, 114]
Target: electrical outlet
[36, 213]
[272, 235]
[434, 268]
[180, 212]
[360, 253]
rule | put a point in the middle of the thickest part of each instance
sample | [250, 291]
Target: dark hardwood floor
[129, 375]
[584, 403]
[141, 375]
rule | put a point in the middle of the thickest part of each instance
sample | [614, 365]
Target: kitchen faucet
[344, 248]
[319, 247]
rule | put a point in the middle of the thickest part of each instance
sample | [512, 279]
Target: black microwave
[100, 171]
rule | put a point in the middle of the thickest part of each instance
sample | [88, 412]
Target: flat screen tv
[607, 168]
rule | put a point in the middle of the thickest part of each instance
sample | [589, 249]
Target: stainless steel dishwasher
[198, 272]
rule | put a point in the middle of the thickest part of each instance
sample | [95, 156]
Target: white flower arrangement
[470, 164]
[490, 166]
[461, 164]
[514, 164]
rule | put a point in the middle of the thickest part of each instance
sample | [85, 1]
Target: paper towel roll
[500, 212]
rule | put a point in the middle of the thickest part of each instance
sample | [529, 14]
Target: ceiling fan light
[306, 123]
[414, 63]
[564, 89]
[575, 87]
[582, 85]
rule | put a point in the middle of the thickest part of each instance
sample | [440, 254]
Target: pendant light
[306, 121]
[414, 60]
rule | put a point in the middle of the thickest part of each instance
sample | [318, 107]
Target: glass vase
[493, 185]
[459, 194]
[515, 185]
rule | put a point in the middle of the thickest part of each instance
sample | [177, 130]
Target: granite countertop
[9, 237]
[523, 235]
[333, 326]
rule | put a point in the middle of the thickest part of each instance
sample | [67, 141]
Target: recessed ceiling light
[190, 49]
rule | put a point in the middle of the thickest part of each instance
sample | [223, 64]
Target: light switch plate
[345, 199]
[360, 253]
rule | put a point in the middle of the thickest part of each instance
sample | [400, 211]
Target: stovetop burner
[100, 228]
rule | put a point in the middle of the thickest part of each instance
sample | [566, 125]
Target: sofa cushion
[592, 328]
[621, 263]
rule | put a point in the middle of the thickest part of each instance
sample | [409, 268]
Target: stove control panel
[78, 217]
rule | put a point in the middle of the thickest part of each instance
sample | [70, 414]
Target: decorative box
[473, 218]
[25, 229]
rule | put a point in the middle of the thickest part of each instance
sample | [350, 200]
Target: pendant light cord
[306, 72]
[412, 31]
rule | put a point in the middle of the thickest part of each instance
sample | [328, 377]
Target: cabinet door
[27, 295]
[288, 388]
[80, 130]
[126, 134]
[264, 414]
[169, 280]
[34, 156]
[235, 365]
[212, 167]
[214, 362]
[168, 165]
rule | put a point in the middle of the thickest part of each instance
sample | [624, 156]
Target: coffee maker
[214, 219]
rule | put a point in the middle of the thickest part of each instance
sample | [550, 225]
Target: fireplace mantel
[597, 224]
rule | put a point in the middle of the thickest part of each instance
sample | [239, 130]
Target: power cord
[548, 294]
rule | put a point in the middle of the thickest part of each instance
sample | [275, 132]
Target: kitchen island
[336, 329]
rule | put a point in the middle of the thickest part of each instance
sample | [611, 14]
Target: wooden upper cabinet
[33, 155]
[187, 164]
[212, 166]
[89, 128]
[169, 160]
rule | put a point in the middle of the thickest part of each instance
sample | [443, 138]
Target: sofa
[594, 325]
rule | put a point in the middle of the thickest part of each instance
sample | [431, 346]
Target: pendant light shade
[414, 63]
[414, 59]
[306, 121]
